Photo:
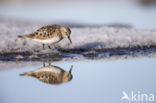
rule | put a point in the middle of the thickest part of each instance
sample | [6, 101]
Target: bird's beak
[69, 39]
[70, 69]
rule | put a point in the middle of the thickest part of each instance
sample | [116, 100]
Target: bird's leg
[49, 46]
[49, 63]
[43, 64]
[43, 46]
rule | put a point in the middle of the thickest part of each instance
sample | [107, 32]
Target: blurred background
[138, 14]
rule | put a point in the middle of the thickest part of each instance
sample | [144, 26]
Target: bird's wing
[52, 27]
[47, 32]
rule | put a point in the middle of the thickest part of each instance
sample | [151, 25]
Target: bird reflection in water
[51, 74]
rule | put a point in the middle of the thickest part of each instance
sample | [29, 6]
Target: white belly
[49, 41]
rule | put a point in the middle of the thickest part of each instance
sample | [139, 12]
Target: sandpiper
[50, 74]
[49, 34]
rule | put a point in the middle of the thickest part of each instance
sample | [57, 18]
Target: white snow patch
[82, 38]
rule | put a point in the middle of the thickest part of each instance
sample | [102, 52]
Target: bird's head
[67, 76]
[66, 33]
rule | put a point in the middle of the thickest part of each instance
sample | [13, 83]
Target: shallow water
[100, 81]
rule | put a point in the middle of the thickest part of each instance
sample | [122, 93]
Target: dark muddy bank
[76, 54]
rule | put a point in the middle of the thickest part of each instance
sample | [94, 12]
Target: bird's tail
[26, 74]
[22, 74]
[26, 36]
[20, 36]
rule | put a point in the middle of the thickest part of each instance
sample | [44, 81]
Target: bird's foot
[49, 47]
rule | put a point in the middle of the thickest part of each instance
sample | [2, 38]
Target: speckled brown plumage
[49, 34]
[50, 74]
[46, 32]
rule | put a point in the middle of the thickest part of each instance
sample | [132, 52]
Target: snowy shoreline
[86, 40]
[83, 38]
